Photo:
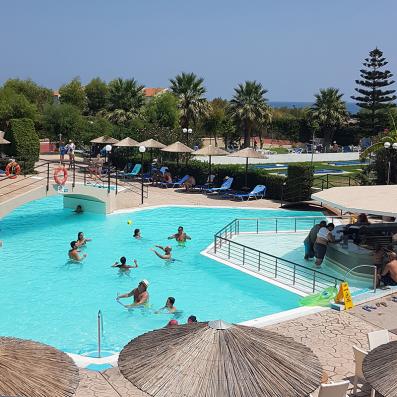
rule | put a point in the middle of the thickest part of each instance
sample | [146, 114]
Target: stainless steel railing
[100, 331]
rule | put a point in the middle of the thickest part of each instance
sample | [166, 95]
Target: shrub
[299, 182]
[25, 143]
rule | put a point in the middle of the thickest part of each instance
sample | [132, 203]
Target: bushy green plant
[25, 143]
[299, 182]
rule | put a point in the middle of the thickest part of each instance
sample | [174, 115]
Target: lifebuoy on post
[13, 169]
[60, 175]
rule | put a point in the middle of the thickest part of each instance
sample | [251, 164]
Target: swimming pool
[46, 298]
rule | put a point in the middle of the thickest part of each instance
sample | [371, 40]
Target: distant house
[55, 96]
[152, 92]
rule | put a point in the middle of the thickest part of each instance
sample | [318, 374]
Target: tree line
[119, 108]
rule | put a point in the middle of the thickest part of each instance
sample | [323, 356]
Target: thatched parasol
[177, 147]
[104, 140]
[217, 359]
[32, 369]
[152, 144]
[248, 153]
[127, 142]
[380, 369]
[210, 151]
[2, 140]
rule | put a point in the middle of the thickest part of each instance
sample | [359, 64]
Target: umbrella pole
[246, 172]
[209, 176]
[177, 159]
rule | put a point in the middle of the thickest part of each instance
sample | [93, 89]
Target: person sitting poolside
[389, 273]
[167, 252]
[81, 240]
[137, 234]
[192, 319]
[79, 209]
[169, 306]
[167, 177]
[74, 253]
[140, 295]
[180, 236]
[189, 183]
[123, 264]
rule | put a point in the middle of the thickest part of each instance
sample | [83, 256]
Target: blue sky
[293, 47]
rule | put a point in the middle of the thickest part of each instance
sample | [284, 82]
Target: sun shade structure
[152, 144]
[375, 200]
[218, 359]
[210, 151]
[105, 140]
[177, 147]
[127, 142]
[248, 153]
[2, 140]
[32, 369]
[380, 369]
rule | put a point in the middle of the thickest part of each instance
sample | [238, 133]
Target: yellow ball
[129, 222]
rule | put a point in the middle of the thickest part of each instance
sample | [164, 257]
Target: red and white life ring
[60, 175]
[13, 169]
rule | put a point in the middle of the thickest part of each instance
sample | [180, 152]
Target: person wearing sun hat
[140, 294]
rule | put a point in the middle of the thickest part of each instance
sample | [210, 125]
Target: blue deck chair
[177, 183]
[257, 192]
[134, 172]
[226, 185]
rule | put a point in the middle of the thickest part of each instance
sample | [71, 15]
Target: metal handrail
[100, 331]
[375, 273]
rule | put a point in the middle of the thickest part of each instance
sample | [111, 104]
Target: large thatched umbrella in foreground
[217, 359]
[248, 153]
[32, 369]
[177, 147]
[380, 369]
[210, 151]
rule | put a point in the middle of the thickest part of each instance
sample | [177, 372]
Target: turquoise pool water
[46, 298]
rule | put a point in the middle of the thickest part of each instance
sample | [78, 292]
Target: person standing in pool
[74, 253]
[123, 264]
[180, 236]
[140, 295]
[324, 237]
[81, 240]
[137, 234]
[311, 239]
[167, 252]
[169, 306]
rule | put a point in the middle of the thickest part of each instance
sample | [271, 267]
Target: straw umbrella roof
[2, 140]
[217, 359]
[177, 147]
[210, 151]
[380, 369]
[36, 370]
[127, 142]
[248, 153]
[152, 144]
[105, 140]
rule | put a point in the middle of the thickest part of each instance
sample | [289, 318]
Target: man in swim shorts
[169, 306]
[167, 252]
[140, 294]
[180, 236]
[74, 253]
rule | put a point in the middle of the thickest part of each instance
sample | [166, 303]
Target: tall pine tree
[373, 96]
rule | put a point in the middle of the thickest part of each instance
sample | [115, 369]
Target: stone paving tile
[93, 384]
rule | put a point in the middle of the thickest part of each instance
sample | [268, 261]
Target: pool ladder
[100, 331]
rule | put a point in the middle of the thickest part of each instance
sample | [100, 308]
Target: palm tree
[125, 99]
[189, 89]
[249, 107]
[329, 112]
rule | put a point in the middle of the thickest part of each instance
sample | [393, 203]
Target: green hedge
[299, 182]
[25, 143]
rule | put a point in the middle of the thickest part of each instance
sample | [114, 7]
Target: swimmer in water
[169, 306]
[123, 264]
[81, 240]
[140, 294]
[180, 236]
[167, 252]
[137, 234]
[79, 209]
[74, 253]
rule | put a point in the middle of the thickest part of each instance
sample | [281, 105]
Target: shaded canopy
[127, 142]
[380, 369]
[33, 369]
[2, 140]
[106, 140]
[152, 144]
[248, 153]
[217, 359]
[177, 147]
[210, 151]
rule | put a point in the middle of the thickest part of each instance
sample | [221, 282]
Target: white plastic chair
[359, 356]
[377, 338]
[337, 389]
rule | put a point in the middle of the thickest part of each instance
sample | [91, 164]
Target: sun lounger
[134, 172]
[177, 183]
[257, 192]
[226, 186]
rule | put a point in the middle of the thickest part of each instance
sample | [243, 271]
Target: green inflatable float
[320, 299]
